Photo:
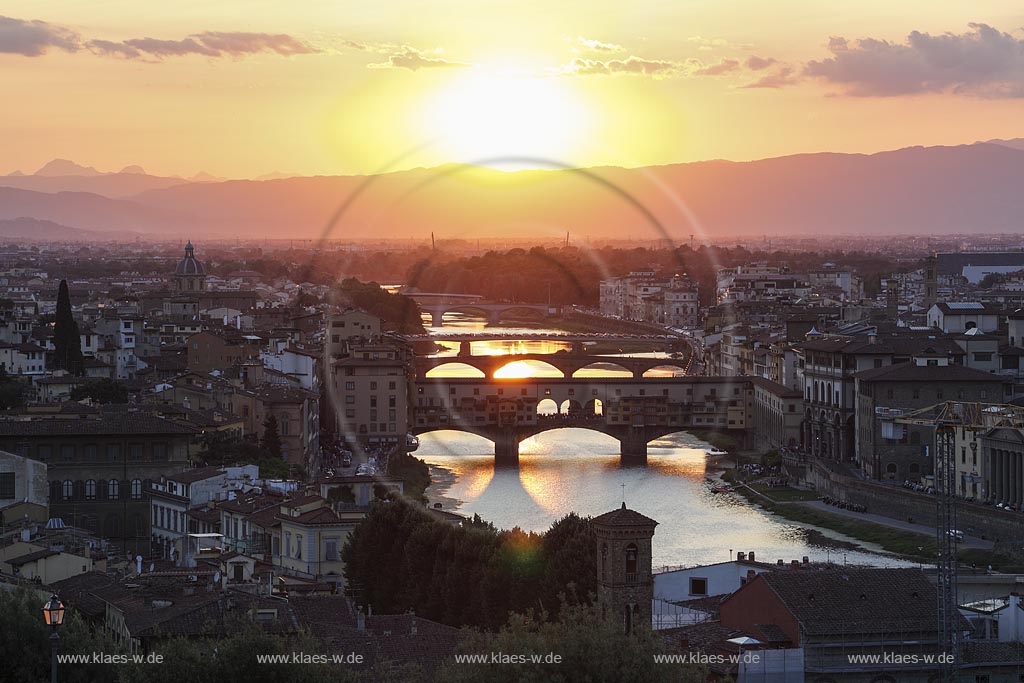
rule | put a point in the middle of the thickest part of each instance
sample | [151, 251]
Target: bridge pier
[465, 349]
[633, 447]
[506, 448]
[437, 318]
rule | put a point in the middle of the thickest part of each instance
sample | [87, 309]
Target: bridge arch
[456, 368]
[594, 407]
[609, 368]
[570, 407]
[677, 369]
[528, 368]
[547, 407]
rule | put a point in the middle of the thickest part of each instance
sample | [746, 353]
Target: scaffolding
[945, 418]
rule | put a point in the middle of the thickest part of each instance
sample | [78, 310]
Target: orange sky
[241, 88]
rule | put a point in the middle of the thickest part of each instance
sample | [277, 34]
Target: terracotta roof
[623, 517]
[31, 557]
[855, 601]
[126, 423]
[912, 372]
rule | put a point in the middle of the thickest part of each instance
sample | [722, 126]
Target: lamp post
[53, 613]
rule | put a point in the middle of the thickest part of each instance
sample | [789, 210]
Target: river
[576, 470]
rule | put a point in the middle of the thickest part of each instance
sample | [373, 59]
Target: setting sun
[485, 117]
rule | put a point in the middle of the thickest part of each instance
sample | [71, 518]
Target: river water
[576, 470]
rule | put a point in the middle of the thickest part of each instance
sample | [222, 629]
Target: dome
[190, 265]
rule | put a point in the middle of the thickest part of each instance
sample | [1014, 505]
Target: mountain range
[916, 190]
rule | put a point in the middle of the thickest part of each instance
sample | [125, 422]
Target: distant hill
[917, 190]
[969, 188]
[1014, 143]
[35, 229]
[62, 167]
[130, 181]
[88, 211]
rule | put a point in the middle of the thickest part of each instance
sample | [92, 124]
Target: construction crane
[945, 418]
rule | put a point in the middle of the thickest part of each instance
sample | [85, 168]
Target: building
[891, 450]
[172, 497]
[645, 296]
[209, 350]
[190, 273]
[778, 415]
[22, 480]
[100, 467]
[370, 392]
[961, 316]
[625, 584]
[827, 615]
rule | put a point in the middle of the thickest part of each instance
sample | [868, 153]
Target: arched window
[68, 489]
[631, 559]
[136, 489]
[90, 489]
[604, 560]
[113, 489]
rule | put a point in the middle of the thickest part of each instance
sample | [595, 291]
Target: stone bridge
[633, 411]
[437, 304]
[566, 363]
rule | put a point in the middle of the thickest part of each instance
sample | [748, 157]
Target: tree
[67, 343]
[589, 648]
[104, 391]
[12, 392]
[271, 442]
[25, 642]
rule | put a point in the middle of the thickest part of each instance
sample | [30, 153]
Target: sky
[242, 88]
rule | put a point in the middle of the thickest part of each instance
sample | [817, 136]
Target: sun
[487, 118]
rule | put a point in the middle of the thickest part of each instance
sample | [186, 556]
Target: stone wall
[903, 504]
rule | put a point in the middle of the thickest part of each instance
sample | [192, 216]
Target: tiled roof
[126, 423]
[31, 557]
[855, 601]
[912, 372]
[624, 517]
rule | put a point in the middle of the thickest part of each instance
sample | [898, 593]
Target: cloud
[414, 60]
[704, 43]
[755, 63]
[722, 67]
[34, 38]
[630, 65]
[591, 45]
[780, 78]
[982, 62]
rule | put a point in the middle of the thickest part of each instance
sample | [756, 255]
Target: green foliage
[342, 494]
[104, 390]
[67, 354]
[223, 448]
[25, 642]
[12, 391]
[414, 473]
[271, 441]
[401, 558]
[399, 312]
[590, 649]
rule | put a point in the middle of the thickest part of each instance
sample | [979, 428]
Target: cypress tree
[271, 437]
[66, 340]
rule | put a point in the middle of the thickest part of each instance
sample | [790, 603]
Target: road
[969, 541]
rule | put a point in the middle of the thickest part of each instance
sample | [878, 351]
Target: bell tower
[625, 585]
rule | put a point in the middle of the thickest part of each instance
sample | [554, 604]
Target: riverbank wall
[1000, 526]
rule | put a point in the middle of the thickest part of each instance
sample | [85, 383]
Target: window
[350, 386]
[982, 357]
[68, 489]
[135, 452]
[67, 452]
[916, 393]
[631, 561]
[6, 485]
[90, 489]
[113, 489]
[698, 586]
[136, 489]
[160, 451]
[878, 362]
[331, 550]
[298, 546]
[45, 453]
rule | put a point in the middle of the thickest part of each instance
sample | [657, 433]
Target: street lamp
[53, 613]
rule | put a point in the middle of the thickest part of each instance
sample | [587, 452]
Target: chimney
[751, 575]
[741, 556]
[872, 339]
[750, 556]
[795, 564]
[360, 620]
[412, 629]
[806, 560]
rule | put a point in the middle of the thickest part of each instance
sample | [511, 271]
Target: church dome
[190, 265]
